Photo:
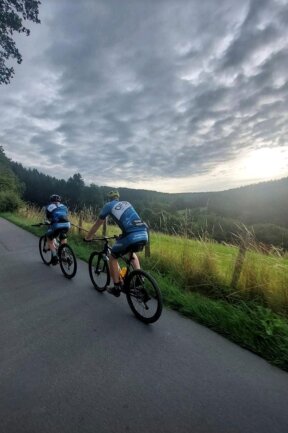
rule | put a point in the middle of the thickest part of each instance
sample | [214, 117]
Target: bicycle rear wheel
[67, 261]
[44, 250]
[99, 271]
[144, 296]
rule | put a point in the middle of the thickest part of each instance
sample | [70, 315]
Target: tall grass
[207, 267]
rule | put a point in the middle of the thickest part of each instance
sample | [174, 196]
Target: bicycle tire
[45, 252]
[67, 261]
[99, 271]
[143, 289]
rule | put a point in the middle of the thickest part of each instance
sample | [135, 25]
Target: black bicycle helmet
[55, 198]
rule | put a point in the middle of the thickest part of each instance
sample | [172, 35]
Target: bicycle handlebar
[78, 227]
[103, 238]
[40, 224]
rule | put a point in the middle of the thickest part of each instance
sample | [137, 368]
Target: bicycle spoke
[144, 296]
[44, 250]
[99, 272]
[67, 261]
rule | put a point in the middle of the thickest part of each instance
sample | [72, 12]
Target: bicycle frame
[107, 252]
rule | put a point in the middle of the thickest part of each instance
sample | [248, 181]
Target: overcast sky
[169, 95]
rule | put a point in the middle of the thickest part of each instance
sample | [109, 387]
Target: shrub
[9, 201]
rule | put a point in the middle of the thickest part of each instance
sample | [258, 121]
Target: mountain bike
[65, 254]
[142, 292]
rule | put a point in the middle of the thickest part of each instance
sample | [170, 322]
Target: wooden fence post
[147, 247]
[80, 222]
[147, 250]
[104, 229]
[239, 262]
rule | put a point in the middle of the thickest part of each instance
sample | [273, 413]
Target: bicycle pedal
[54, 261]
[114, 291]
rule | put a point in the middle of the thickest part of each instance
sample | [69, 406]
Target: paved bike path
[75, 361]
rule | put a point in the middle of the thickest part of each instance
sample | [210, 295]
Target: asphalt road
[73, 360]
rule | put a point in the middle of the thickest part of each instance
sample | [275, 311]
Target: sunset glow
[264, 164]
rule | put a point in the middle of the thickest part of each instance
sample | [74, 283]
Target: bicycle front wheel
[99, 271]
[67, 261]
[144, 296]
[44, 250]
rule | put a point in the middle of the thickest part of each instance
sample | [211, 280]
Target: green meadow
[197, 279]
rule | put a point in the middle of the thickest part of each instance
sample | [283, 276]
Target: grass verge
[248, 324]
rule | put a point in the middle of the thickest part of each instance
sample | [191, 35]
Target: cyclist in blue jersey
[57, 216]
[133, 238]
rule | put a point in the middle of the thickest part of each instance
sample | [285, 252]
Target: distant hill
[262, 207]
[265, 202]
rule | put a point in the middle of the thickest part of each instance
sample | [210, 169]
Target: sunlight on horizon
[260, 165]
[264, 164]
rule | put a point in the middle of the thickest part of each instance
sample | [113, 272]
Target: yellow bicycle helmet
[113, 195]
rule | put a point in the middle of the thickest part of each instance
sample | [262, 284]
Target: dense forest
[10, 187]
[262, 207]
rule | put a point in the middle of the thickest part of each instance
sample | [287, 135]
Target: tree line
[262, 207]
[10, 187]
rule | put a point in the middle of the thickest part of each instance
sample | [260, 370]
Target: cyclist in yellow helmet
[133, 238]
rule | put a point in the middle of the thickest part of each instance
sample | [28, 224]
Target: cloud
[137, 90]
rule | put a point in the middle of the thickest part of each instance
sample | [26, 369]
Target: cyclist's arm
[94, 229]
[48, 215]
[49, 211]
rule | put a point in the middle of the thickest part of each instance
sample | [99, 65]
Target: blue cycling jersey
[124, 214]
[57, 213]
